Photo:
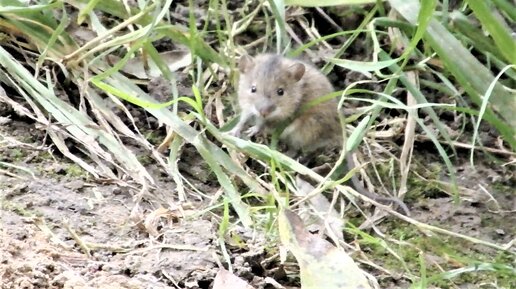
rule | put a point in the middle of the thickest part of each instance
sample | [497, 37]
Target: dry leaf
[323, 207]
[227, 280]
[151, 221]
[322, 265]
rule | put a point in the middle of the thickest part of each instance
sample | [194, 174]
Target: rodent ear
[296, 71]
[245, 63]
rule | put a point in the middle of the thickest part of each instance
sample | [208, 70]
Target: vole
[272, 89]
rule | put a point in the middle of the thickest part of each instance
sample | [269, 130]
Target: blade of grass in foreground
[501, 36]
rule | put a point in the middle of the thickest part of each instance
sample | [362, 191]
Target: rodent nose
[266, 110]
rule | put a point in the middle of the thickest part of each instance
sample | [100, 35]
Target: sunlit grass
[449, 51]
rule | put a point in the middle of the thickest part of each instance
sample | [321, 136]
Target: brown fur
[301, 82]
[308, 130]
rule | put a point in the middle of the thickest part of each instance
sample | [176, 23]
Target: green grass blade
[278, 9]
[319, 3]
[478, 39]
[483, 108]
[83, 13]
[500, 33]
[13, 6]
[364, 67]
[424, 16]
[507, 7]
[469, 72]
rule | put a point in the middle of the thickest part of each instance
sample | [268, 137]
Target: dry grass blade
[408, 144]
[78, 125]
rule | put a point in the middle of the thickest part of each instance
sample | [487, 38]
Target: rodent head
[271, 85]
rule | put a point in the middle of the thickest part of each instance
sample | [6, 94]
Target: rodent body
[272, 89]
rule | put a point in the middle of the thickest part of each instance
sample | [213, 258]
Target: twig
[468, 146]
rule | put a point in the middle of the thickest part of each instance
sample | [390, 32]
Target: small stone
[500, 232]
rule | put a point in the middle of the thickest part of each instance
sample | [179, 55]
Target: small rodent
[272, 89]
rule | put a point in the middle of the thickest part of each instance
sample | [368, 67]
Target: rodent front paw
[253, 130]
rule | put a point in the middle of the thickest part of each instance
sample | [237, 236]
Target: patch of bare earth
[40, 215]
[38, 249]
[60, 230]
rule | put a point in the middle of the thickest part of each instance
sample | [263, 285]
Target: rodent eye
[280, 91]
[253, 88]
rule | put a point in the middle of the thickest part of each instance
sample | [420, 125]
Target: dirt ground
[60, 228]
